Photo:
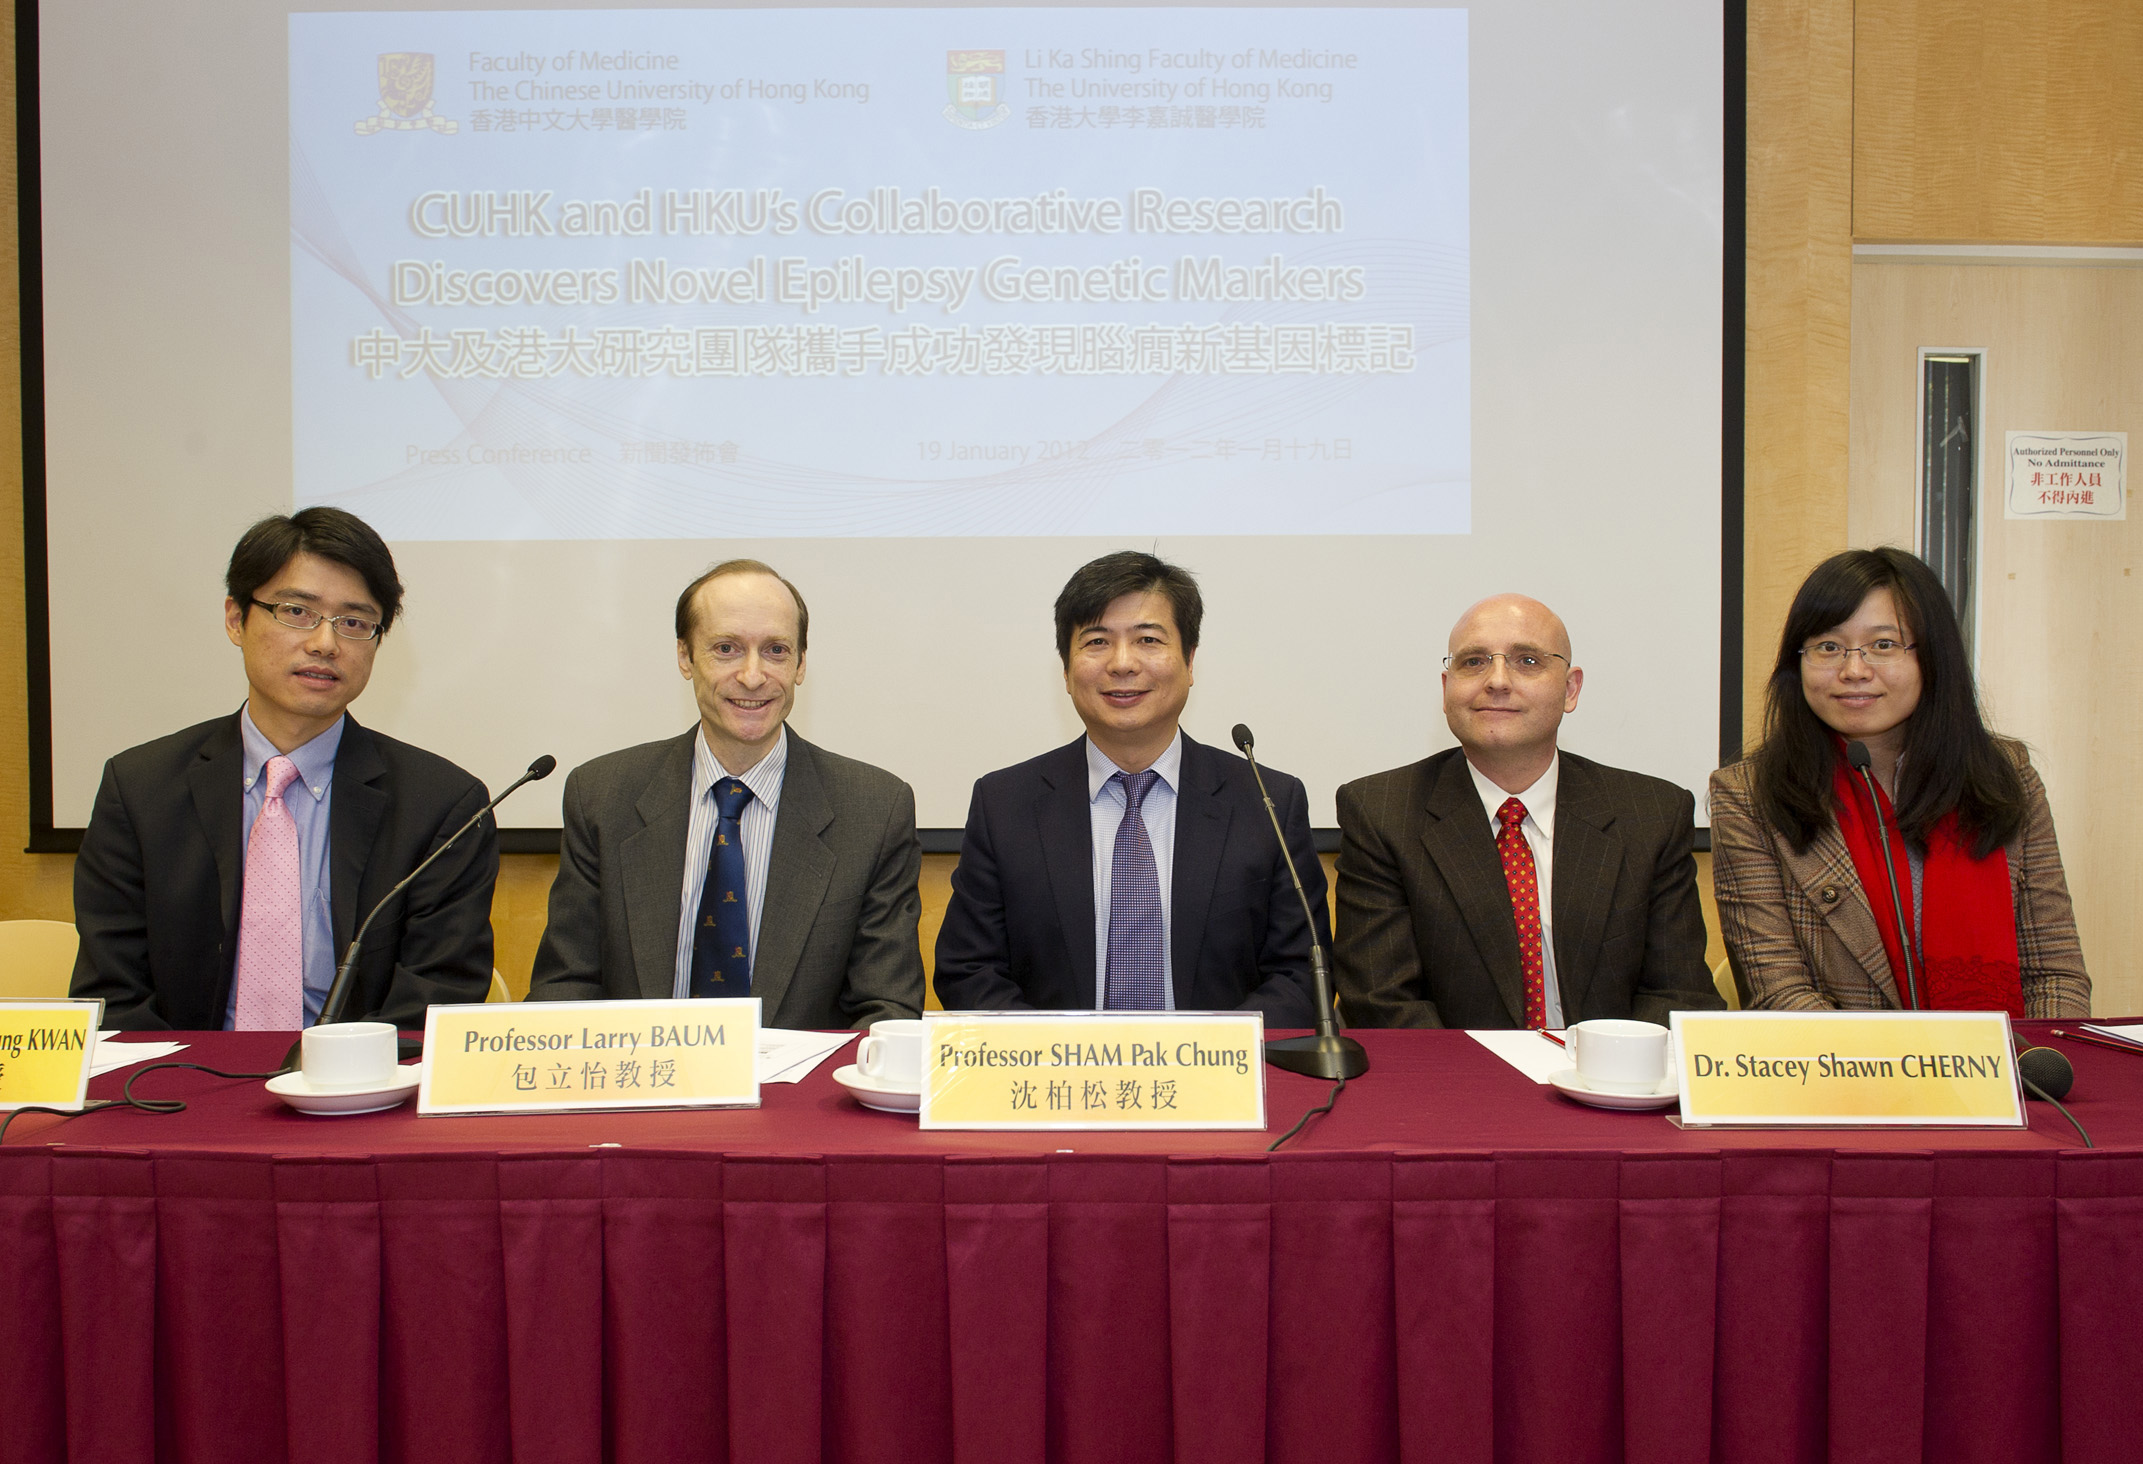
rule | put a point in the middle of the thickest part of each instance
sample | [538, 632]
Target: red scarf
[1968, 951]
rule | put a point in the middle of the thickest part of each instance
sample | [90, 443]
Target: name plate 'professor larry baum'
[553, 1056]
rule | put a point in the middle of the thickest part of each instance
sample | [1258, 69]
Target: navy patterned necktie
[1136, 971]
[722, 936]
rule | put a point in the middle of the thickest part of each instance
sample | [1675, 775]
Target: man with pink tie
[225, 867]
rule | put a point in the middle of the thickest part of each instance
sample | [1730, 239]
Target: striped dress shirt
[757, 827]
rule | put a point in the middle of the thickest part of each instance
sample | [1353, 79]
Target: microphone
[338, 995]
[2047, 1074]
[1327, 1054]
[1856, 757]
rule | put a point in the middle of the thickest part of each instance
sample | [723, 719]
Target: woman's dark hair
[1096, 585]
[329, 533]
[1950, 760]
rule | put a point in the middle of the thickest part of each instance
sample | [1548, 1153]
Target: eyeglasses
[304, 617]
[1829, 655]
[1525, 665]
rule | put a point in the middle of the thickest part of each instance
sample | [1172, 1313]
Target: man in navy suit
[1135, 869]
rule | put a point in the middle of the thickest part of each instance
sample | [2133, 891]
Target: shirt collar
[1539, 800]
[315, 760]
[1099, 769]
[762, 777]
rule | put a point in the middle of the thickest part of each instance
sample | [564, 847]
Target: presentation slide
[1358, 313]
[828, 273]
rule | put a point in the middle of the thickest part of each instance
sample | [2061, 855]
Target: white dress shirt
[756, 826]
[1538, 830]
[1106, 805]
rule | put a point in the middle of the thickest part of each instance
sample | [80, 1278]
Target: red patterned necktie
[1519, 874]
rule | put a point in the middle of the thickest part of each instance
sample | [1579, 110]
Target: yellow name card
[1848, 1069]
[1093, 1070]
[45, 1049]
[555, 1056]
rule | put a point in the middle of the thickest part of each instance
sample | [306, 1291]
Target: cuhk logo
[975, 83]
[405, 96]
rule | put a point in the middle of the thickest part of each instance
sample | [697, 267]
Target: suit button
[1830, 894]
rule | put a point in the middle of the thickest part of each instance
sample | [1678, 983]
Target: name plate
[45, 1048]
[1093, 1070]
[558, 1056]
[1848, 1069]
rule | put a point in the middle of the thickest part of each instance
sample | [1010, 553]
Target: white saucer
[305, 1098]
[1570, 1085]
[873, 1094]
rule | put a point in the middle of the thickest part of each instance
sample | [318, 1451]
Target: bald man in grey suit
[831, 856]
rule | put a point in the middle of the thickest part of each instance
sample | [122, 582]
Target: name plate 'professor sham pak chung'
[556, 1056]
[1848, 1069]
[1093, 1070]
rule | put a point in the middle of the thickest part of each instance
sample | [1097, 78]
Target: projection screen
[1360, 313]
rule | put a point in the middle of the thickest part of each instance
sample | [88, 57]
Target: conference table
[1455, 1264]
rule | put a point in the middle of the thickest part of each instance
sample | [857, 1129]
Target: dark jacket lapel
[1464, 852]
[353, 823]
[799, 868]
[654, 868]
[216, 781]
[1202, 820]
[1064, 824]
[1588, 862]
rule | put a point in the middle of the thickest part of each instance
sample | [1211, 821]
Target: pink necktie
[271, 940]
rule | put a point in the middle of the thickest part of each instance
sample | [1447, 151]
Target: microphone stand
[1856, 756]
[338, 995]
[1325, 1054]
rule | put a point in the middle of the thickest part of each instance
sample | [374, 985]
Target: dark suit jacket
[1020, 929]
[837, 928]
[158, 883]
[1427, 937]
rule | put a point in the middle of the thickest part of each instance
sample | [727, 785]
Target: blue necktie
[722, 936]
[1136, 966]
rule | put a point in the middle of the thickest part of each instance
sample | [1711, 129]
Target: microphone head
[2047, 1070]
[1243, 740]
[1856, 757]
[542, 767]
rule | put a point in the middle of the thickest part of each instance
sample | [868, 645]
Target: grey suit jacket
[1426, 936]
[837, 933]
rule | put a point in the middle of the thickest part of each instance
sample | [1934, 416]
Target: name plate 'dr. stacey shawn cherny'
[1848, 1069]
[1093, 1070]
[45, 1050]
[554, 1056]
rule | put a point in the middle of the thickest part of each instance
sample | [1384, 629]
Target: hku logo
[974, 80]
[405, 96]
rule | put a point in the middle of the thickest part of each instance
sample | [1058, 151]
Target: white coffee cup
[892, 1053]
[1617, 1056]
[349, 1055]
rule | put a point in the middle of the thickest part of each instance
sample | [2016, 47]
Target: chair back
[36, 958]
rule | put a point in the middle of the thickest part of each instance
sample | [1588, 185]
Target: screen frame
[45, 838]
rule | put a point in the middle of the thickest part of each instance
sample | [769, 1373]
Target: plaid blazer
[1800, 932]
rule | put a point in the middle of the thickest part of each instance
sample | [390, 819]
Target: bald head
[1507, 687]
[1502, 621]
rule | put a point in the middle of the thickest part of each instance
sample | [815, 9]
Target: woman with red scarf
[1872, 655]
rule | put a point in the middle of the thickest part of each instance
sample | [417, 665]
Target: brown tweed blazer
[1801, 934]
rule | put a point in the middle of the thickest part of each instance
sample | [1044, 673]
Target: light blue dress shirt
[1106, 807]
[755, 827]
[308, 799]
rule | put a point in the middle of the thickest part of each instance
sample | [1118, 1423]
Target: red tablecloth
[1457, 1264]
